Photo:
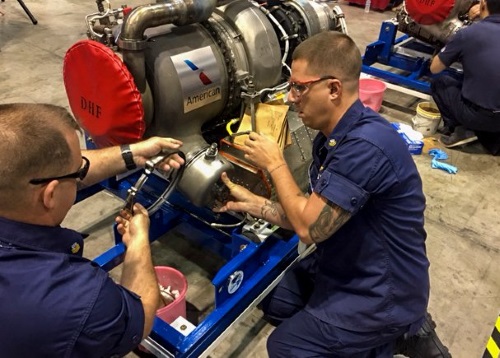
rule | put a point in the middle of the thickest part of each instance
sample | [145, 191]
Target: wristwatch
[127, 156]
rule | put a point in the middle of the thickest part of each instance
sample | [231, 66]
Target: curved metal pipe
[176, 12]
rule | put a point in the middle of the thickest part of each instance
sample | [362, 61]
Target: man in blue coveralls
[54, 302]
[471, 109]
[367, 282]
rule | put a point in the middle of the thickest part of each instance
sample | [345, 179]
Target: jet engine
[433, 21]
[186, 69]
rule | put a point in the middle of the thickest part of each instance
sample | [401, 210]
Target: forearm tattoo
[270, 210]
[331, 218]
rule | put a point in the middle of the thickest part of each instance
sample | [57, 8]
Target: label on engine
[199, 76]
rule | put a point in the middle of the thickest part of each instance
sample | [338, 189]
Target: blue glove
[435, 164]
[438, 154]
[447, 167]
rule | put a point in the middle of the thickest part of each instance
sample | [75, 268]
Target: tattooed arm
[313, 218]
[242, 200]
[330, 219]
[272, 212]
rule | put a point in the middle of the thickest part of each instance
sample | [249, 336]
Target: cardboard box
[414, 146]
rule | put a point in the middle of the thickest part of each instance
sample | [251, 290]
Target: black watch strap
[127, 156]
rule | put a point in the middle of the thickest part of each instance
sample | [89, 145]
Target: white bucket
[427, 119]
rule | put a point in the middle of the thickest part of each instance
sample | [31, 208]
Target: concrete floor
[462, 217]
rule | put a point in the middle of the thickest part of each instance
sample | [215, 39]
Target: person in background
[54, 302]
[471, 108]
[367, 283]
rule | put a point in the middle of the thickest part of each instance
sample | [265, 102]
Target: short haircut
[493, 6]
[331, 53]
[32, 142]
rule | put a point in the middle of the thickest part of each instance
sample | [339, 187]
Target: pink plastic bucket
[371, 92]
[168, 276]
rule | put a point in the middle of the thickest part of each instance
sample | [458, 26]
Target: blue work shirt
[373, 272]
[477, 47]
[55, 303]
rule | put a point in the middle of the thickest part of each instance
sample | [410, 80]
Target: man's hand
[262, 151]
[138, 274]
[474, 12]
[243, 199]
[107, 162]
[133, 227]
[255, 205]
[145, 150]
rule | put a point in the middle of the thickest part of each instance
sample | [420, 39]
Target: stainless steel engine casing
[183, 103]
[192, 61]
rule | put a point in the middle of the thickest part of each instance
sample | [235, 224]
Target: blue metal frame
[416, 69]
[259, 263]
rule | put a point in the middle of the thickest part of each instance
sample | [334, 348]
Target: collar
[351, 116]
[40, 238]
[492, 18]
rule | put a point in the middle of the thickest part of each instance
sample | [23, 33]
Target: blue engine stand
[251, 267]
[408, 59]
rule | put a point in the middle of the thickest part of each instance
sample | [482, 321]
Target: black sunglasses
[79, 174]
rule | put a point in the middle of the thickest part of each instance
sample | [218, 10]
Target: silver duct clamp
[148, 170]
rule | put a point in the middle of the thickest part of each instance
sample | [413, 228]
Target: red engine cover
[102, 94]
[429, 12]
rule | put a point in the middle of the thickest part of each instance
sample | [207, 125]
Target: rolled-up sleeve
[452, 52]
[353, 173]
[341, 191]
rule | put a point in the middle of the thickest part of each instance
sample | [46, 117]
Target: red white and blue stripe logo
[202, 75]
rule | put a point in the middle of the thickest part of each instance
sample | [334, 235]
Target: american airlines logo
[202, 76]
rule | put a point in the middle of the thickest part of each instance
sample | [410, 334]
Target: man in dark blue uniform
[54, 302]
[471, 110]
[367, 283]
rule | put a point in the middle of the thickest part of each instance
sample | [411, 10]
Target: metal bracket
[148, 170]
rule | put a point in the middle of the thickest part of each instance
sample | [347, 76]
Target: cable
[285, 37]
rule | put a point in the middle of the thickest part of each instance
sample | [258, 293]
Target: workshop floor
[462, 217]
